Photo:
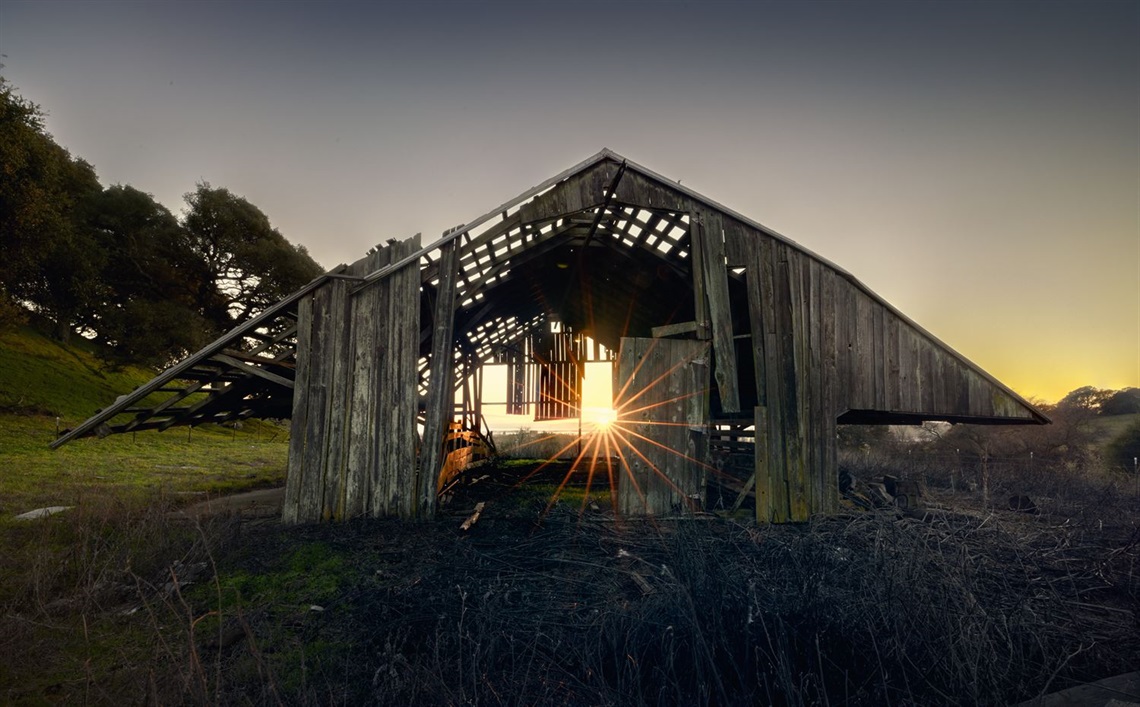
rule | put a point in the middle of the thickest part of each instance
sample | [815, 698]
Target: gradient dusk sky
[975, 163]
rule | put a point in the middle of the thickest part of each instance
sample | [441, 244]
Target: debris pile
[891, 492]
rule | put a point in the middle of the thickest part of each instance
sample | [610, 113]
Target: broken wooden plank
[474, 517]
[748, 486]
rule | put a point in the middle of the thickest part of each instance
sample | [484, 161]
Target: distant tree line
[117, 266]
[1074, 440]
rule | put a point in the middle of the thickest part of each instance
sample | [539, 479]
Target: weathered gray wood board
[663, 407]
[352, 449]
[441, 393]
[707, 238]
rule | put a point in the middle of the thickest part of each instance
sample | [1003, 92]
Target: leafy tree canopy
[248, 261]
[150, 302]
[1122, 402]
[1085, 398]
[48, 259]
[117, 265]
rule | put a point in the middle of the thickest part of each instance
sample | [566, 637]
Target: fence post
[985, 478]
[956, 470]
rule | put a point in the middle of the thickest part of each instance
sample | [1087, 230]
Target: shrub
[1123, 451]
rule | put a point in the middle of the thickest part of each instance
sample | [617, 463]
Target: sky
[977, 164]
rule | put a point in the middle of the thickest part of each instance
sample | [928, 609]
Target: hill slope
[39, 376]
[46, 387]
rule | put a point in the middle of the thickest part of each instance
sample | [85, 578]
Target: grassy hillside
[1106, 429]
[39, 376]
[45, 386]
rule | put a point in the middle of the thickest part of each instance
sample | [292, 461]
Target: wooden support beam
[609, 197]
[667, 330]
[697, 257]
[478, 400]
[440, 403]
[270, 341]
[253, 370]
[763, 475]
[179, 395]
[198, 409]
[300, 417]
[472, 225]
[711, 244]
[744, 492]
[178, 370]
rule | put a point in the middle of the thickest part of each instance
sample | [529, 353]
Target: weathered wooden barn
[728, 337]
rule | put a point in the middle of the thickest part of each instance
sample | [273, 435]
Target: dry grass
[972, 606]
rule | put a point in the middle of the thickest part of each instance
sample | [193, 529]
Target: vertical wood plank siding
[352, 449]
[300, 418]
[823, 346]
[715, 279]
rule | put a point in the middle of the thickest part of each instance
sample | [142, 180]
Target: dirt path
[262, 503]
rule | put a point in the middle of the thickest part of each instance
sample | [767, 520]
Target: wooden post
[291, 507]
[715, 278]
[441, 393]
[697, 258]
[478, 400]
[763, 474]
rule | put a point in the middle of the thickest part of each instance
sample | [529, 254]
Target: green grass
[45, 387]
[207, 460]
[310, 574]
[63, 639]
[39, 376]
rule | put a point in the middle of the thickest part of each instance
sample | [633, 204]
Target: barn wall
[352, 449]
[795, 380]
[823, 346]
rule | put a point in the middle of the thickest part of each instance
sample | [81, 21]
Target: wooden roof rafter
[262, 368]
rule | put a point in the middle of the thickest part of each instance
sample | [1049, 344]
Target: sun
[600, 417]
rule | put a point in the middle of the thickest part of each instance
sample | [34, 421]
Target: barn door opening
[662, 403]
